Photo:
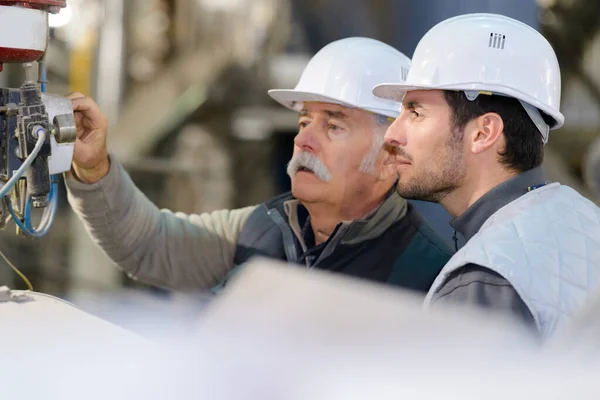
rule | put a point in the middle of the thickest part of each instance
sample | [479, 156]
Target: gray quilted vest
[547, 245]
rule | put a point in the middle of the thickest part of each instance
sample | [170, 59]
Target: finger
[83, 103]
[83, 129]
[90, 110]
[79, 123]
[75, 95]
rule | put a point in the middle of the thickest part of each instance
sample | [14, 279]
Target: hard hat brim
[294, 99]
[397, 92]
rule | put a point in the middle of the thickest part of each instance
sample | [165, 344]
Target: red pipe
[37, 4]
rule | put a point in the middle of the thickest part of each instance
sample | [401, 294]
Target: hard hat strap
[537, 119]
[532, 111]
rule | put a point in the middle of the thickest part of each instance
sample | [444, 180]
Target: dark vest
[408, 254]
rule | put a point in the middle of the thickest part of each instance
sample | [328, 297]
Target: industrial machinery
[37, 130]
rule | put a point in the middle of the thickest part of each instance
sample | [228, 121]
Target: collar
[370, 227]
[469, 223]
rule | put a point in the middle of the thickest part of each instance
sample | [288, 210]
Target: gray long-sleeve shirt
[477, 285]
[153, 245]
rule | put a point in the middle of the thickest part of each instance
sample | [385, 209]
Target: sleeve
[482, 287]
[157, 247]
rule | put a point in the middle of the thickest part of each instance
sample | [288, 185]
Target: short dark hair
[524, 145]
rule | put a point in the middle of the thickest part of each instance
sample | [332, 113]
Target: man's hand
[90, 157]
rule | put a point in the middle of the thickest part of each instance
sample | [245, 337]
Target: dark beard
[420, 191]
[434, 187]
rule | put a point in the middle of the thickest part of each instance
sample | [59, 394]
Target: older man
[342, 214]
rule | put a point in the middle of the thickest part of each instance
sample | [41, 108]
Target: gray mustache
[309, 161]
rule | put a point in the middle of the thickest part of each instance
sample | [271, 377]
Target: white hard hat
[344, 72]
[486, 53]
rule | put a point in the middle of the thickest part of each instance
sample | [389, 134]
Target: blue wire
[17, 220]
[27, 213]
[52, 206]
[43, 75]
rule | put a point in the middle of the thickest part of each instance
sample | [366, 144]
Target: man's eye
[302, 124]
[333, 127]
[414, 113]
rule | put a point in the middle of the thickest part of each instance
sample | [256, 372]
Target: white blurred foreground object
[50, 349]
[286, 333]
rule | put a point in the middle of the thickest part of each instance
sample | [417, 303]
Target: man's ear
[485, 131]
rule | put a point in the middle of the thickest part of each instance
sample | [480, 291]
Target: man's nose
[306, 139]
[395, 136]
